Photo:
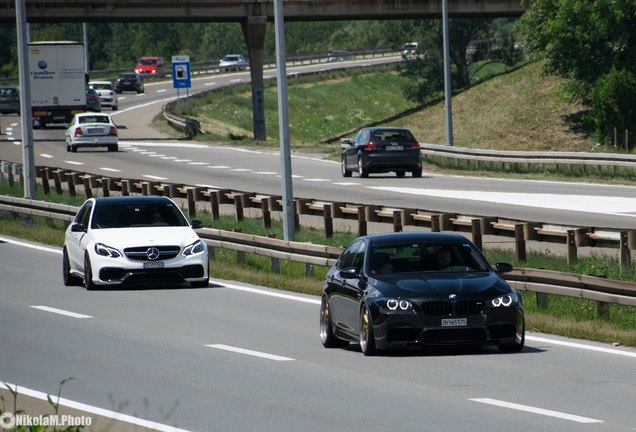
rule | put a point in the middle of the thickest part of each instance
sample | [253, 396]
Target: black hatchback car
[381, 150]
[129, 81]
[419, 289]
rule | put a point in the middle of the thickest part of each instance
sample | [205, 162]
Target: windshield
[426, 257]
[132, 215]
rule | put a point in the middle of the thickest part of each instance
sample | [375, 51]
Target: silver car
[91, 130]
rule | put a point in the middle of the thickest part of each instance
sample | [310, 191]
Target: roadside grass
[563, 315]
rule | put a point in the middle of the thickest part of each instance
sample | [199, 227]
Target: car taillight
[371, 146]
[78, 132]
[416, 145]
[112, 131]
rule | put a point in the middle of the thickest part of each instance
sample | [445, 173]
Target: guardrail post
[571, 250]
[238, 204]
[3, 169]
[362, 222]
[602, 308]
[10, 174]
[192, 207]
[435, 224]
[125, 187]
[45, 181]
[240, 255]
[18, 172]
[520, 243]
[542, 300]
[274, 260]
[214, 205]
[57, 182]
[476, 233]
[328, 220]
[624, 251]
[87, 186]
[72, 179]
[397, 221]
[309, 270]
[267, 215]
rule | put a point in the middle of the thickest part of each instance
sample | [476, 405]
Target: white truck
[58, 81]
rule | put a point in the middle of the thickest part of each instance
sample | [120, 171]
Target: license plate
[94, 131]
[153, 264]
[454, 322]
[394, 148]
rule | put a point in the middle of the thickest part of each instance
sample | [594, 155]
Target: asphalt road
[236, 358]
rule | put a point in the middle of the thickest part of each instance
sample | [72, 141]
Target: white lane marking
[197, 163]
[154, 177]
[347, 184]
[209, 84]
[74, 162]
[61, 312]
[31, 245]
[240, 169]
[218, 166]
[535, 410]
[268, 293]
[46, 155]
[90, 409]
[183, 160]
[266, 172]
[162, 91]
[250, 352]
[110, 169]
[316, 180]
[581, 346]
[587, 203]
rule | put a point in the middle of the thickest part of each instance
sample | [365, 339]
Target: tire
[328, 339]
[113, 148]
[515, 346]
[367, 337]
[67, 277]
[417, 172]
[343, 167]
[400, 174]
[362, 171]
[200, 284]
[88, 274]
[73, 149]
[115, 108]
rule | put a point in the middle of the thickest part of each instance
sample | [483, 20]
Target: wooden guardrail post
[328, 220]
[397, 221]
[476, 233]
[571, 249]
[362, 222]
[267, 215]
[192, 210]
[45, 181]
[87, 186]
[238, 204]
[520, 243]
[624, 252]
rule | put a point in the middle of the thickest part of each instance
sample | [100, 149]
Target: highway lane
[234, 357]
[564, 203]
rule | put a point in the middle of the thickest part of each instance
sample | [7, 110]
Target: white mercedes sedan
[91, 129]
[133, 240]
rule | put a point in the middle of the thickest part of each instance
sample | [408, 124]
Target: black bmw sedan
[419, 289]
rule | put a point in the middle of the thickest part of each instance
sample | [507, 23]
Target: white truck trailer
[58, 81]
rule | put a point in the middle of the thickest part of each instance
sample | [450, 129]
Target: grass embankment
[564, 316]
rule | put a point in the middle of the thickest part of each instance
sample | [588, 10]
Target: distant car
[128, 240]
[233, 62]
[106, 92]
[91, 130]
[417, 290]
[409, 50]
[339, 55]
[92, 101]
[9, 100]
[151, 66]
[381, 150]
[129, 81]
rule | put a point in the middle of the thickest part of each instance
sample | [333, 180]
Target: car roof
[99, 82]
[132, 199]
[414, 236]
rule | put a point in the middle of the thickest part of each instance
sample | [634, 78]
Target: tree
[614, 103]
[581, 39]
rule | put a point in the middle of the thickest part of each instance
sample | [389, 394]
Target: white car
[233, 62]
[91, 129]
[106, 92]
[132, 240]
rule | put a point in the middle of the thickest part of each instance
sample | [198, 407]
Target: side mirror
[349, 273]
[502, 267]
[345, 142]
[77, 227]
[197, 224]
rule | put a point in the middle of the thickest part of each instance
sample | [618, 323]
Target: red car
[151, 66]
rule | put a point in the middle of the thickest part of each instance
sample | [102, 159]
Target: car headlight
[107, 251]
[193, 249]
[398, 304]
[504, 301]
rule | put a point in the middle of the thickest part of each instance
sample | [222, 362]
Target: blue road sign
[181, 72]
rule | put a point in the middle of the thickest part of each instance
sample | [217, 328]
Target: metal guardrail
[543, 282]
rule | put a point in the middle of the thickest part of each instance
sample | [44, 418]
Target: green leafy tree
[614, 103]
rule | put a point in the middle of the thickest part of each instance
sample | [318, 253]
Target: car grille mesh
[452, 308]
[140, 253]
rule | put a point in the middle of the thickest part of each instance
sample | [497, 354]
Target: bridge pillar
[254, 33]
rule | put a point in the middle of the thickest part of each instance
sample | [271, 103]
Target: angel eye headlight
[503, 301]
[107, 251]
[193, 249]
[395, 304]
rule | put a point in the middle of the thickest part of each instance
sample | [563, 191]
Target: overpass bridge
[253, 15]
